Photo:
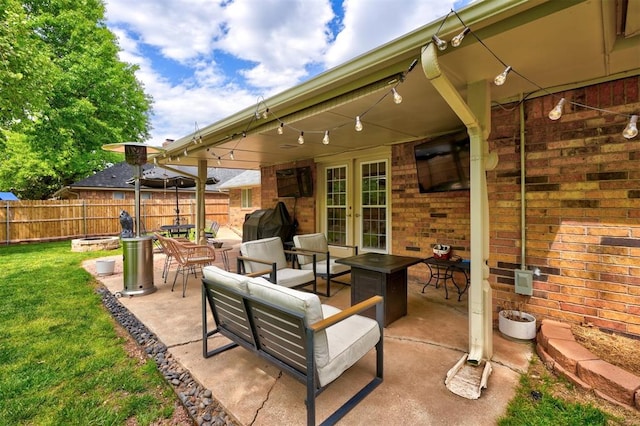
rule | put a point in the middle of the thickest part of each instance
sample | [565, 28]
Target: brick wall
[582, 208]
[236, 212]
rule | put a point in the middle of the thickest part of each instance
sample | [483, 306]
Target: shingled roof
[116, 177]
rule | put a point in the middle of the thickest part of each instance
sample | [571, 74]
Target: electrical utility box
[524, 282]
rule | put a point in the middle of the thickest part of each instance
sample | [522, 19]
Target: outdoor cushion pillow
[227, 279]
[296, 301]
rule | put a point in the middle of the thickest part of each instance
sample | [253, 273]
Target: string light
[325, 139]
[186, 152]
[502, 77]
[265, 114]
[442, 45]
[231, 155]
[556, 112]
[631, 131]
[281, 128]
[301, 138]
[358, 126]
[457, 40]
[396, 96]
[219, 161]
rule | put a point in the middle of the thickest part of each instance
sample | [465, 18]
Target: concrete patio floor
[419, 349]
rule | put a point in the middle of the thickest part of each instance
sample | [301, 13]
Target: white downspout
[480, 312]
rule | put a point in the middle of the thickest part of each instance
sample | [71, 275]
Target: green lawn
[61, 361]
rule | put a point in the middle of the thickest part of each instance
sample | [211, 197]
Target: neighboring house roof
[248, 178]
[600, 46]
[8, 196]
[117, 176]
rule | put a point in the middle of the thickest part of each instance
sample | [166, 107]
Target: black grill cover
[267, 223]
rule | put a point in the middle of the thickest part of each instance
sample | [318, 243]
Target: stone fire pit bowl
[95, 244]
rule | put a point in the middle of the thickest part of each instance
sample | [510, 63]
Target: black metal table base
[443, 270]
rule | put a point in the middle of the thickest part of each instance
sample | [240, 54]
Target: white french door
[355, 206]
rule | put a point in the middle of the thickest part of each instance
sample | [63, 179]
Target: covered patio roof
[551, 46]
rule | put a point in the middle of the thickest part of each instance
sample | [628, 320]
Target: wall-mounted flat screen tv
[443, 163]
[294, 182]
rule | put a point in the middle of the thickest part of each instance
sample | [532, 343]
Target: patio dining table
[178, 230]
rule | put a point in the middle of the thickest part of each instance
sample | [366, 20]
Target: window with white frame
[245, 202]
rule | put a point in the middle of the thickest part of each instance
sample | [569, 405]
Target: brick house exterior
[582, 196]
[246, 184]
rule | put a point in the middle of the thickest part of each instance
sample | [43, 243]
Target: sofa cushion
[348, 341]
[228, 279]
[267, 249]
[302, 302]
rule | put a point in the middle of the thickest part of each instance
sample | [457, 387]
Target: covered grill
[266, 223]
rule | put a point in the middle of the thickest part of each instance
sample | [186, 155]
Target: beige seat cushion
[227, 279]
[338, 347]
[315, 242]
[321, 267]
[348, 341]
[268, 249]
[301, 302]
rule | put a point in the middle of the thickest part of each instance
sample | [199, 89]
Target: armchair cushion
[322, 268]
[270, 249]
[312, 242]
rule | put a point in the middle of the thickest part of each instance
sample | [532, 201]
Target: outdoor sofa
[313, 342]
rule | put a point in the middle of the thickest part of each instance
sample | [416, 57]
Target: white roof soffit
[555, 45]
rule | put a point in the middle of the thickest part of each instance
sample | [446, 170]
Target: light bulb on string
[358, 124]
[631, 131]
[219, 161]
[396, 96]
[457, 40]
[301, 138]
[556, 112]
[325, 139]
[442, 45]
[265, 114]
[280, 129]
[186, 152]
[502, 77]
[231, 156]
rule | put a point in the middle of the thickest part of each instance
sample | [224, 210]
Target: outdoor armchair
[325, 265]
[212, 230]
[189, 257]
[269, 252]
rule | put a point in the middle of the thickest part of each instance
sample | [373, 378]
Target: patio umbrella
[158, 177]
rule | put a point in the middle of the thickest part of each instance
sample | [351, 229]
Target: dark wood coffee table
[384, 275]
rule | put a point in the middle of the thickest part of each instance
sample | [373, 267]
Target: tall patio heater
[137, 252]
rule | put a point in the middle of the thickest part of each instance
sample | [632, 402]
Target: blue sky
[202, 60]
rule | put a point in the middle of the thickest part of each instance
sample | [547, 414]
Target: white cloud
[230, 53]
[369, 24]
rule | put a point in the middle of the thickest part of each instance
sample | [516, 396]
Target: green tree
[25, 67]
[94, 99]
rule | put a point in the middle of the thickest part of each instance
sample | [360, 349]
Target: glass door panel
[373, 206]
[336, 204]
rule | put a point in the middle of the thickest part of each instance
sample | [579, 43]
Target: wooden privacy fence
[45, 220]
